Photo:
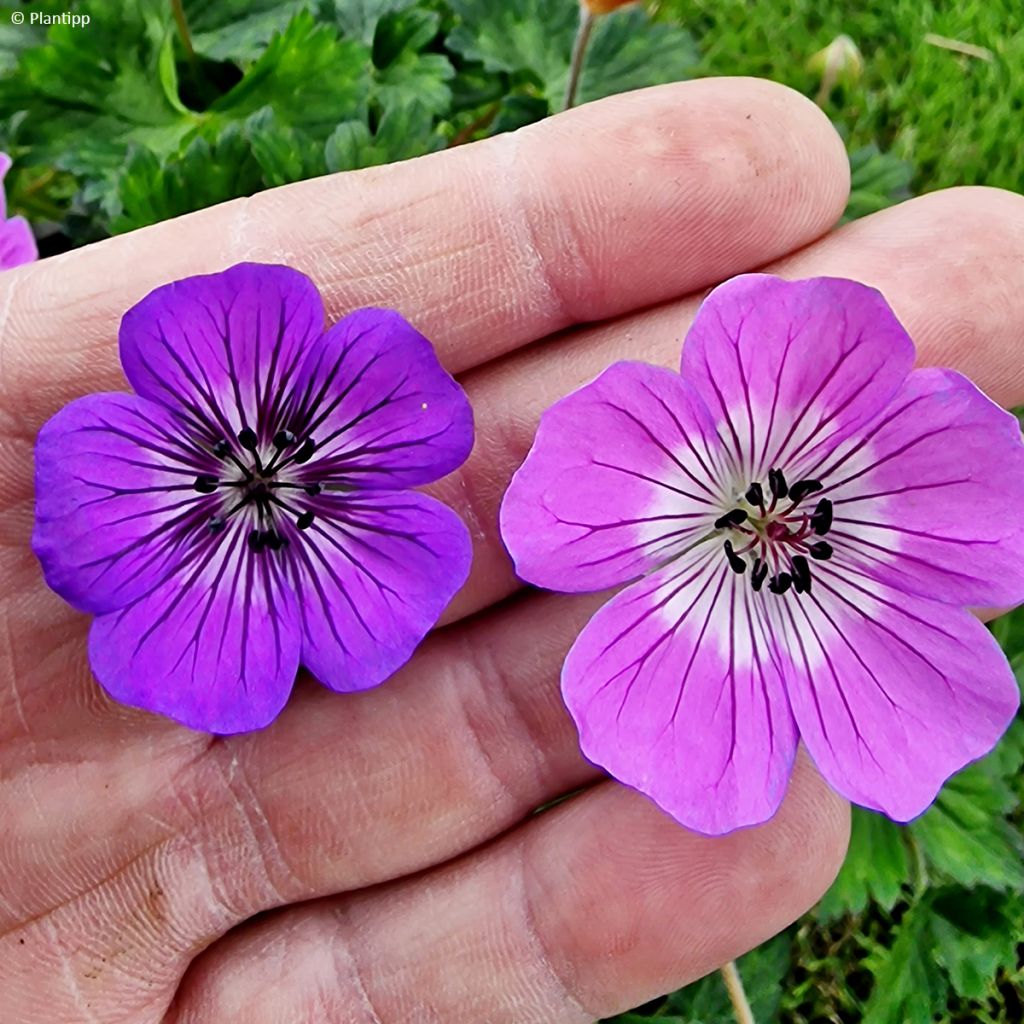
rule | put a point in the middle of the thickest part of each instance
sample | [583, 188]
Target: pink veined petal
[892, 692]
[223, 350]
[115, 499]
[382, 410]
[790, 367]
[928, 498]
[215, 647]
[676, 688]
[17, 243]
[373, 574]
[622, 475]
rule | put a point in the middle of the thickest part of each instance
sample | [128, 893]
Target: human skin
[391, 834]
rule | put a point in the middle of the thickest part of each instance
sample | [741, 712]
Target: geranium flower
[17, 244]
[810, 517]
[247, 509]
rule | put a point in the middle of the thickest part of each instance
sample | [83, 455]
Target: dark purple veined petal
[892, 692]
[373, 573]
[789, 367]
[380, 408]
[676, 688]
[623, 474]
[115, 499]
[223, 350]
[929, 497]
[215, 647]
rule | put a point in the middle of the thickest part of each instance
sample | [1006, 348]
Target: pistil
[783, 531]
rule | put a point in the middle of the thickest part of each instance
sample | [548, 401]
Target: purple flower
[810, 517]
[17, 244]
[247, 509]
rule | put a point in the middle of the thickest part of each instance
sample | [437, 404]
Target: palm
[132, 847]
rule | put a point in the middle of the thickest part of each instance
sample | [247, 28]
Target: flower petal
[788, 366]
[373, 579]
[114, 499]
[216, 647]
[928, 498]
[17, 243]
[892, 692]
[223, 349]
[621, 476]
[383, 411]
[676, 688]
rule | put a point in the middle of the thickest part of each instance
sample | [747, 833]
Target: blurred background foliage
[160, 107]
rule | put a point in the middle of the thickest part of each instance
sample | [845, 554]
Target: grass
[957, 119]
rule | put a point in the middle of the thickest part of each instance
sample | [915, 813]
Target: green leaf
[308, 76]
[358, 18]
[532, 36]
[966, 836]
[404, 73]
[151, 190]
[762, 971]
[403, 133]
[238, 30]
[627, 49]
[91, 93]
[975, 938]
[284, 154]
[877, 867]
[909, 985]
[877, 180]
[953, 937]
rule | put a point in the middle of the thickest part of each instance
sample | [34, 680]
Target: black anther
[305, 453]
[256, 541]
[755, 494]
[758, 574]
[780, 584]
[733, 518]
[801, 574]
[283, 439]
[305, 520]
[206, 484]
[247, 439]
[313, 489]
[274, 540]
[822, 551]
[735, 562]
[821, 520]
[777, 483]
[221, 449]
[216, 524]
[802, 488]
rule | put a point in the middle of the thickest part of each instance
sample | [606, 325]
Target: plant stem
[737, 996]
[182, 23]
[579, 55]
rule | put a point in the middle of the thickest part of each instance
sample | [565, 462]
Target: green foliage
[129, 108]
[533, 38]
[955, 118]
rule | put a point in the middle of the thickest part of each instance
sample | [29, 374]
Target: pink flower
[808, 518]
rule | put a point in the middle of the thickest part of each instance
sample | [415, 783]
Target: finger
[961, 302]
[595, 907]
[484, 247]
[195, 835]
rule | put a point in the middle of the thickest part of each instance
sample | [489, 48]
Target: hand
[391, 832]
